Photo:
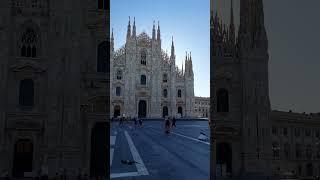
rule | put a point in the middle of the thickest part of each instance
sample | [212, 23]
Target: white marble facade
[146, 81]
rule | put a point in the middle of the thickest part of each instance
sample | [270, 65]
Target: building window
[119, 75]
[118, 91]
[299, 170]
[222, 101]
[308, 132]
[143, 57]
[309, 170]
[103, 4]
[285, 131]
[318, 150]
[309, 151]
[29, 43]
[165, 78]
[297, 132]
[298, 151]
[143, 80]
[102, 57]
[276, 150]
[274, 131]
[165, 93]
[286, 150]
[317, 133]
[26, 94]
[179, 93]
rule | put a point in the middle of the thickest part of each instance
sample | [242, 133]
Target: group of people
[137, 121]
[169, 123]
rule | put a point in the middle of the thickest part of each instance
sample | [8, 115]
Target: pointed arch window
[165, 78]
[143, 80]
[222, 100]
[119, 75]
[179, 93]
[118, 91]
[165, 93]
[143, 58]
[26, 92]
[29, 43]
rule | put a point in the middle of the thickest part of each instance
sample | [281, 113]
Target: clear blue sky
[188, 21]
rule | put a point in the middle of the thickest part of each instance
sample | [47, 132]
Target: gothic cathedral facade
[240, 93]
[145, 81]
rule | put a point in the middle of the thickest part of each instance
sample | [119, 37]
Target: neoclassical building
[54, 85]
[202, 107]
[249, 139]
[146, 81]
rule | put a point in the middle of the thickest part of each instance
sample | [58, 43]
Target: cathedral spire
[172, 50]
[190, 65]
[112, 40]
[158, 33]
[134, 27]
[182, 68]
[186, 57]
[129, 30]
[153, 32]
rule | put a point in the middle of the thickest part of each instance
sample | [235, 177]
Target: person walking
[135, 122]
[174, 122]
[167, 125]
[140, 122]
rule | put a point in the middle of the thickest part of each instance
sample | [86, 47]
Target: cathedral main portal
[142, 109]
[23, 156]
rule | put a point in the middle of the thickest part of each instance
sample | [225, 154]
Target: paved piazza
[179, 155]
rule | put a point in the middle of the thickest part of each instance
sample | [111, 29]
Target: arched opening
[142, 109]
[222, 100]
[118, 91]
[309, 169]
[180, 111]
[117, 111]
[224, 158]
[143, 80]
[23, 156]
[29, 43]
[26, 92]
[119, 75]
[165, 111]
[165, 93]
[165, 78]
[103, 56]
[99, 156]
[143, 57]
[179, 93]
